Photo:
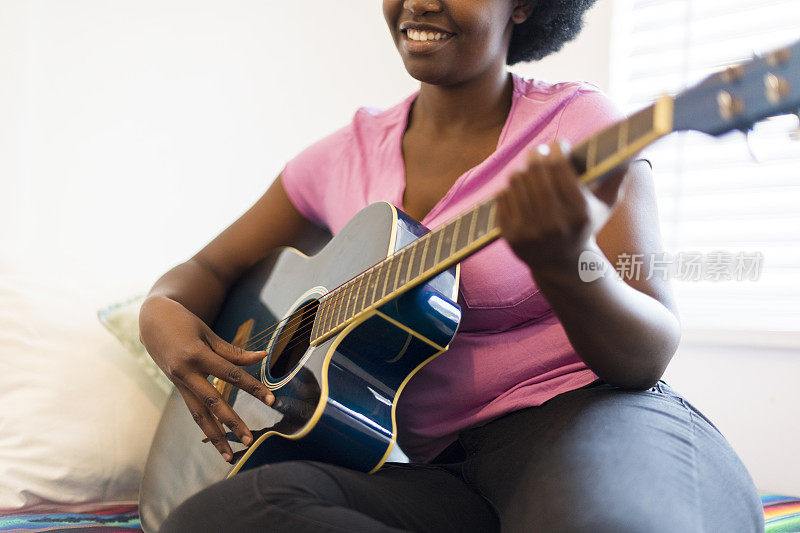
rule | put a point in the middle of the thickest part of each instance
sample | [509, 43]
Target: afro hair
[552, 23]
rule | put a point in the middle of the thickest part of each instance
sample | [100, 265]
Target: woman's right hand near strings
[173, 321]
[187, 351]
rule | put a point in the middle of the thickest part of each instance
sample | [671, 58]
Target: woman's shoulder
[537, 89]
[576, 108]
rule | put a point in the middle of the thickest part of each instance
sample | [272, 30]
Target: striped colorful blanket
[781, 515]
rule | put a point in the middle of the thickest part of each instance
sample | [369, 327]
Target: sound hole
[292, 341]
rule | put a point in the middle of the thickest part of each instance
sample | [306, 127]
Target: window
[717, 204]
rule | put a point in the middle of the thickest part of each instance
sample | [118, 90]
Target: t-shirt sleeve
[587, 112]
[306, 178]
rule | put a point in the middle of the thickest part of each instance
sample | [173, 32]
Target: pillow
[122, 320]
[78, 413]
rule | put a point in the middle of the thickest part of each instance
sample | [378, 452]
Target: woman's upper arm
[273, 221]
[632, 237]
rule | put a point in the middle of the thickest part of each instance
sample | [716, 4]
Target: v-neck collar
[400, 176]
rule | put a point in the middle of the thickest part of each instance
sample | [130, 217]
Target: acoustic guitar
[347, 328]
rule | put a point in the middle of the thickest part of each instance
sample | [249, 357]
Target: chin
[429, 72]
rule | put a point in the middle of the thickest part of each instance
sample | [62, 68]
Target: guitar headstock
[742, 95]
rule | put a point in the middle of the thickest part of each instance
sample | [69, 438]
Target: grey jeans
[593, 459]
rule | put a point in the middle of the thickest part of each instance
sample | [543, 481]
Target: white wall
[132, 132]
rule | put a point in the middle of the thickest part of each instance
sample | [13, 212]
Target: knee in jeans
[295, 482]
[289, 485]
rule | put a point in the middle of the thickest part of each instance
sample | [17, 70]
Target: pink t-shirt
[510, 351]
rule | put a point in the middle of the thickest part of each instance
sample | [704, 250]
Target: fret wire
[591, 157]
[607, 144]
[640, 124]
[416, 265]
[319, 317]
[430, 259]
[350, 300]
[386, 274]
[359, 285]
[367, 276]
[345, 300]
[445, 246]
[376, 274]
[473, 219]
[492, 210]
[455, 236]
[424, 252]
[394, 270]
[410, 263]
[462, 234]
[325, 310]
[481, 221]
[377, 281]
[622, 140]
[340, 300]
[438, 250]
[399, 267]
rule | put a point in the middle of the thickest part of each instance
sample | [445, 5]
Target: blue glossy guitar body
[335, 402]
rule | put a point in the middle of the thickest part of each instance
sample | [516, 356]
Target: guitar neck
[441, 249]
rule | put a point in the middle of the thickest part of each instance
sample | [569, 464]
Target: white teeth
[423, 36]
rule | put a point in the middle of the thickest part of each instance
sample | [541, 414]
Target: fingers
[232, 353]
[210, 399]
[565, 180]
[546, 194]
[207, 422]
[543, 213]
[230, 373]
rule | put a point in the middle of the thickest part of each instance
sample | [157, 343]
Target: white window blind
[713, 196]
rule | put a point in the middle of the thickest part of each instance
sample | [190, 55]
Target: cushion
[122, 320]
[78, 412]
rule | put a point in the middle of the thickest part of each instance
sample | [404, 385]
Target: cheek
[391, 13]
[486, 27]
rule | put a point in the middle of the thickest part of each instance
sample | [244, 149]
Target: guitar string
[332, 297]
[298, 336]
[261, 339]
[336, 295]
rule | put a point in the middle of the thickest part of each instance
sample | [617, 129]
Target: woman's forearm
[625, 336]
[195, 286]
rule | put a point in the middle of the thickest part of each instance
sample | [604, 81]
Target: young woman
[547, 413]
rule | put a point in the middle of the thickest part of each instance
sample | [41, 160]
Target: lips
[417, 38]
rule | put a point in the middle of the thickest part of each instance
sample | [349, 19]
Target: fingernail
[543, 149]
[269, 399]
[227, 457]
[246, 440]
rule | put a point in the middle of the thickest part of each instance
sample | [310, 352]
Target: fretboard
[464, 235]
[431, 254]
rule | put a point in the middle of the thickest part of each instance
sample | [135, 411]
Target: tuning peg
[729, 107]
[779, 57]
[733, 73]
[777, 87]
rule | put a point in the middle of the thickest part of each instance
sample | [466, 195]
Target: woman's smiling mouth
[422, 38]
